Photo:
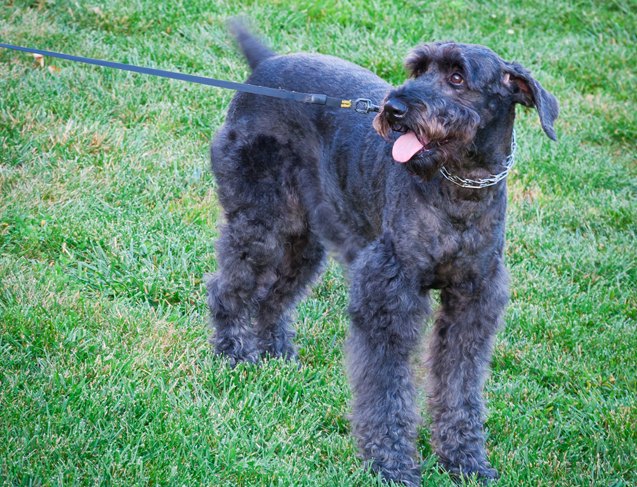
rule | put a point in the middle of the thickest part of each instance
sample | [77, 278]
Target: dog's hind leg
[302, 262]
[247, 254]
[266, 254]
[387, 311]
[262, 274]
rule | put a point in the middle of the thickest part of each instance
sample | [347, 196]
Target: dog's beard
[440, 141]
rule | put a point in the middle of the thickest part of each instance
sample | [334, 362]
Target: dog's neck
[484, 182]
[489, 158]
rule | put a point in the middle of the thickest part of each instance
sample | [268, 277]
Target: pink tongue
[405, 147]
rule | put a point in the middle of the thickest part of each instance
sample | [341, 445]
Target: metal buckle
[365, 105]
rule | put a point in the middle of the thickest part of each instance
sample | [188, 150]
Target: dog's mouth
[410, 145]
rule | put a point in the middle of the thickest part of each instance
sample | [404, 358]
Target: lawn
[107, 226]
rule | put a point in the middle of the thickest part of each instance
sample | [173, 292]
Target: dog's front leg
[459, 356]
[387, 311]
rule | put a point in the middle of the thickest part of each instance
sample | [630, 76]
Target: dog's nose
[395, 109]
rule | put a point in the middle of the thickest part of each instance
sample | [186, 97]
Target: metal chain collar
[484, 182]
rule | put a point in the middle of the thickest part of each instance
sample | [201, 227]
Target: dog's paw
[407, 478]
[278, 344]
[236, 352]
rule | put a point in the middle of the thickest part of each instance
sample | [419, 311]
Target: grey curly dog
[297, 180]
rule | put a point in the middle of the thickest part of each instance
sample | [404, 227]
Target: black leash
[360, 105]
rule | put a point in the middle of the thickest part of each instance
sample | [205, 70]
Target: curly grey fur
[297, 180]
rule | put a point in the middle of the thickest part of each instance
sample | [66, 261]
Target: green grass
[108, 218]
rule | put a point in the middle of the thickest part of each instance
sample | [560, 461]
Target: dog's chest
[452, 252]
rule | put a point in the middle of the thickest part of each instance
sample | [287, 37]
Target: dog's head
[458, 105]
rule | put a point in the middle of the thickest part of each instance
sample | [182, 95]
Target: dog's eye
[456, 79]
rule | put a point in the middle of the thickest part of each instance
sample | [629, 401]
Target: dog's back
[310, 73]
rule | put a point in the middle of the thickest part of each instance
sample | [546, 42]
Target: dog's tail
[252, 47]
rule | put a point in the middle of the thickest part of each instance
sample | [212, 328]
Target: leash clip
[365, 105]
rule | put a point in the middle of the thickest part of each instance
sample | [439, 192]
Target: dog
[409, 201]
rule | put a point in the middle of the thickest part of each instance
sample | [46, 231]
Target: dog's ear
[528, 92]
[417, 61]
